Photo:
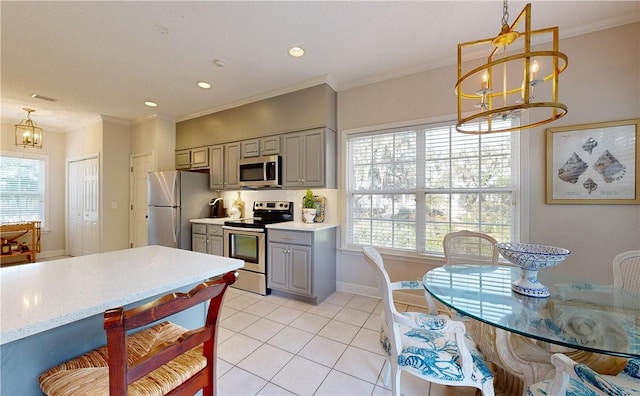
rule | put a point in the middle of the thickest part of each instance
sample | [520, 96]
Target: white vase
[308, 215]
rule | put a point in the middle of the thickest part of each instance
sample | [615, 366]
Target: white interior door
[141, 165]
[83, 207]
[90, 227]
[74, 211]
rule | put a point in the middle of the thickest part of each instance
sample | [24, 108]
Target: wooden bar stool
[164, 359]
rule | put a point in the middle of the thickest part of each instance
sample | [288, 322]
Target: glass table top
[577, 314]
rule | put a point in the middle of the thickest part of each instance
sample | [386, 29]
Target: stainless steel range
[245, 239]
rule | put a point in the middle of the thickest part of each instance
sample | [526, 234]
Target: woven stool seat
[163, 359]
[89, 374]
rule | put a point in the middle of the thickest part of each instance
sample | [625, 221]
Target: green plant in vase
[308, 207]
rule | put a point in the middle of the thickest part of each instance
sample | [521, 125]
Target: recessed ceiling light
[151, 104]
[296, 52]
[204, 85]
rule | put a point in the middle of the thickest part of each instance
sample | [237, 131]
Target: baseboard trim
[52, 253]
[409, 298]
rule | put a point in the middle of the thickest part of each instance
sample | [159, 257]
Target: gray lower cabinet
[302, 264]
[207, 239]
[198, 241]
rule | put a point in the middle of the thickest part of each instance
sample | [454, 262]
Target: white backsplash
[295, 196]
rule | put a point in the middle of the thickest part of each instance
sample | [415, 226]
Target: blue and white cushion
[589, 383]
[434, 354]
[632, 368]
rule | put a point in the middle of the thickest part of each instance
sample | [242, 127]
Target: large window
[408, 187]
[22, 188]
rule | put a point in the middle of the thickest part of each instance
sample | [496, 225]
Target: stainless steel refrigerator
[175, 197]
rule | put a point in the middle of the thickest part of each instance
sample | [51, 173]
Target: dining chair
[432, 347]
[626, 271]
[470, 247]
[164, 359]
[626, 275]
[467, 247]
[576, 379]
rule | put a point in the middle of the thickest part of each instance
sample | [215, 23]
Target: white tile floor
[269, 345]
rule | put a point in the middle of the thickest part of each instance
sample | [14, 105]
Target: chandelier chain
[505, 13]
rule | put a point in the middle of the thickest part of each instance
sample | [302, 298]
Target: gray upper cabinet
[232, 156]
[223, 173]
[183, 159]
[196, 158]
[270, 145]
[250, 148]
[260, 147]
[309, 159]
[216, 170]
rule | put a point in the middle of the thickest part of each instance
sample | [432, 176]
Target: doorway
[141, 165]
[83, 225]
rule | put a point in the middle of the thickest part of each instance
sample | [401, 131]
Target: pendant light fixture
[514, 79]
[27, 133]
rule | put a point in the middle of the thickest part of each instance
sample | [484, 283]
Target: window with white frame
[408, 187]
[22, 188]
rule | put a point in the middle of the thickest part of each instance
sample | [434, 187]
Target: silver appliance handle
[176, 226]
[244, 229]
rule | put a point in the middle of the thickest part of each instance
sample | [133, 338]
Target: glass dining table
[596, 324]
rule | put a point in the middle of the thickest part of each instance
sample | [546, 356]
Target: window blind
[408, 187]
[21, 189]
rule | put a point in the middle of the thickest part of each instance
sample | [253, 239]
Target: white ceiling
[107, 58]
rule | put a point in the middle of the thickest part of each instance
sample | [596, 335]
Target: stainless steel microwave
[260, 171]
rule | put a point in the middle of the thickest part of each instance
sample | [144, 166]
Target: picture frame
[593, 163]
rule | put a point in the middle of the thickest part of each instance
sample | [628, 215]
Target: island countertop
[41, 296]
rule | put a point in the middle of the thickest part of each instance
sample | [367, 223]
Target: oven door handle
[243, 229]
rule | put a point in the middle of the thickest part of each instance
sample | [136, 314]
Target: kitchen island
[53, 311]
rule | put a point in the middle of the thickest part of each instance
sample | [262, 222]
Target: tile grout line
[313, 335]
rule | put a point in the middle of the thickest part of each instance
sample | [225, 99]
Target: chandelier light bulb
[535, 67]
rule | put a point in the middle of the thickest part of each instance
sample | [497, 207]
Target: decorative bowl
[531, 258]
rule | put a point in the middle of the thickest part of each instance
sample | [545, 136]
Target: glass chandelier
[27, 133]
[514, 79]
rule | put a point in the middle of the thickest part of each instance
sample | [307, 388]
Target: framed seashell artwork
[594, 163]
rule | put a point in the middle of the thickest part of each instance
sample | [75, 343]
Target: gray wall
[304, 109]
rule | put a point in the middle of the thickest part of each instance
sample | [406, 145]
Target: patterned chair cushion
[575, 388]
[425, 321]
[434, 354]
[89, 374]
[632, 368]
[592, 384]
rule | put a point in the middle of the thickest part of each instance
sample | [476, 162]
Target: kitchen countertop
[299, 226]
[42, 296]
